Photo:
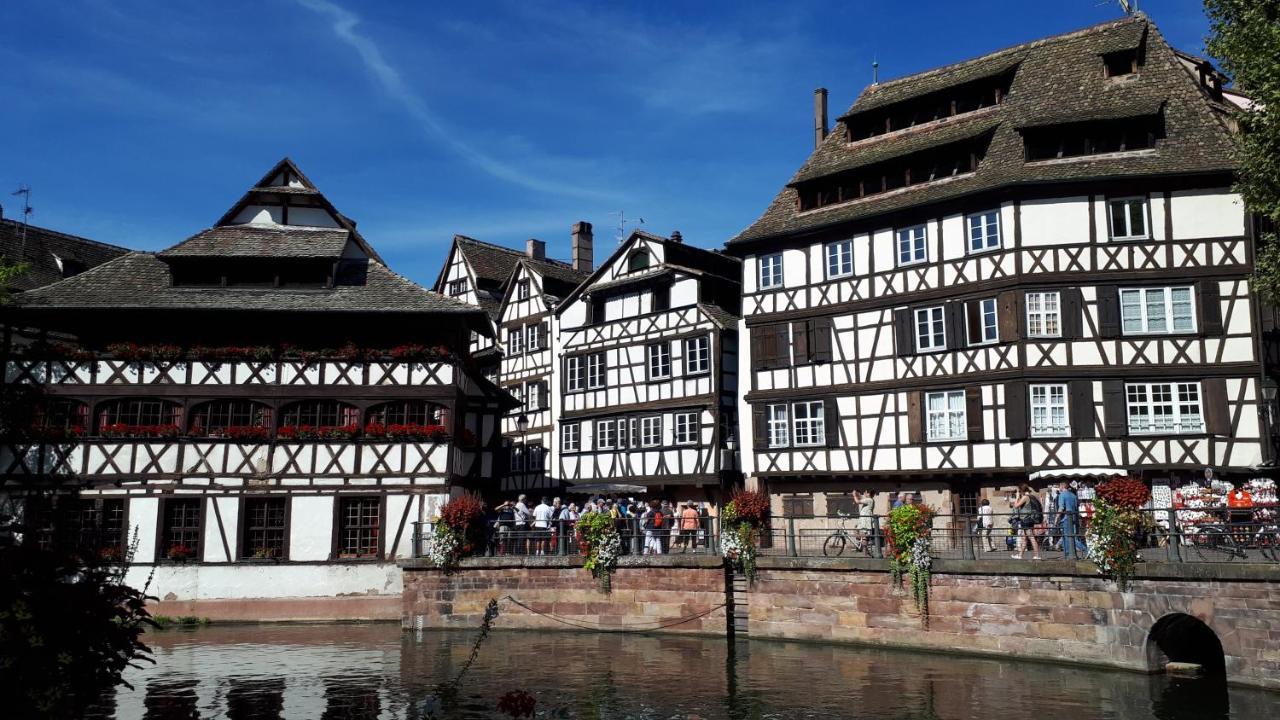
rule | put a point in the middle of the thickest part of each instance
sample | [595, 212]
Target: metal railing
[558, 537]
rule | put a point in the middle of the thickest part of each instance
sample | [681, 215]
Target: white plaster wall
[750, 274]
[259, 215]
[955, 237]
[311, 217]
[793, 267]
[144, 518]
[886, 250]
[684, 292]
[229, 510]
[1057, 221]
[267, 580]
[1206, 214]
[311, 528]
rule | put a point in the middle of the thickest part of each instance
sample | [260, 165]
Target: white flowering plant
[910, 542]
[598, 539]
[443, 546]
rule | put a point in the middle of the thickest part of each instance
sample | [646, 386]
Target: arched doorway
[1179, 637]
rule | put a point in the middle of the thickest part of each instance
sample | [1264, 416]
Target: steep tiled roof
[42, 249]
[262, 241]
[495, 263]
[1058, 80]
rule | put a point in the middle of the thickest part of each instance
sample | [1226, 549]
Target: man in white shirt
[542, 516]
[522, 524]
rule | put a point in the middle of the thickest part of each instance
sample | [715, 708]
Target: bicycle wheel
[1214, 544]
[1269, 543]
[834, 546]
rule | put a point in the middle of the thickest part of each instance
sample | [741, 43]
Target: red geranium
[462, 512]
[1125, 493]
[751, 505]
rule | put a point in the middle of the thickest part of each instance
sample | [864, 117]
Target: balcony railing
[558, 538]
[286, 372]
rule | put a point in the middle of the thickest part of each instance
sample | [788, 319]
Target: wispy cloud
[344, 25]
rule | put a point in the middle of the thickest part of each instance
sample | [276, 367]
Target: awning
[1077, 473]
[607, 489]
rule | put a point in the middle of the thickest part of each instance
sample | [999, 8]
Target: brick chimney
[583, 257]
[535, 249]
[819, 116]
[676, 237]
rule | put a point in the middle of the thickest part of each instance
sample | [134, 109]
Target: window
[534, 396]
[515, 340]
[770, 271]
[911, 245]
[946, 415]
[517, 459]
[639, 260]
[180, 531]
[627, 433]
[840, 259]
[264, 528]
[139, 412]
[534, 458]
[606, 434]
[659, 356]
[320, 413]
[99, 524]
[984, 231]
[797, 506]
[595, 370]
[359, 519]
[570, 437]
[1157, 310]
[573, 373]
[686, 428]
[982, 322]
[1164, 408]
[217, 417]
[651, 431]
[596, 311]
[457, 287]
[522, 290]
[840, 504]
[60, 415]
[1043, 314]
[407, 412]
[1049, 411]
[810, 422]
[1128, 218]
[697, 354]
[777, 429]
[966, 502]
[533, 337]
[931, 330]
[1120, 63]
[661, 299]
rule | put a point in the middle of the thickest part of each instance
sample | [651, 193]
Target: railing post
[792, 551]
[876, 538]
[633, 529]
[417, 539]
[1175, 537]
[970, 529]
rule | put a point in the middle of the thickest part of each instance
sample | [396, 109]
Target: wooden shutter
[831, 421]
[820, 339]
[973, 412]
[760, 347]
[1009, 315]
[1115, 414]
[954, 323]
[800, 341]
[1071, 308]
[1210, 307]
[1213, 396]
[782, 345]
[544, 335]
[1080, 406]
[758, 428]
[915, 417]
[1108, 311]
[904, 338]
[1015, 410]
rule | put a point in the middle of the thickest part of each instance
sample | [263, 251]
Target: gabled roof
[493, 267]
[262, 241]
[50, 255]
[1057, 80]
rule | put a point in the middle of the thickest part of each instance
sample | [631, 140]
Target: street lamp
[522, 424]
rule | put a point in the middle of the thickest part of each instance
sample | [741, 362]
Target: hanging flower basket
[597, 537]
[910, 541]
[1112, 537]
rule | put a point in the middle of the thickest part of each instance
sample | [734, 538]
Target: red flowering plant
[56, 433]
[517, 704]
[458, 531]
[406, 431]
[740, 523]
[145, 353]
[1112, 537]
[244, 432]
[61, 351]
[125, 430]
[180, 552]
[224, 353]
[909, 535]
[318, 432]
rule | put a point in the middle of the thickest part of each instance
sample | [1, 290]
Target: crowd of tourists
[650, 527]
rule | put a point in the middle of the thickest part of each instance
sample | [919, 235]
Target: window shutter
[831, 421]
[1113, 408]
[759, 347]
[544, 335]
[904, 338]
[915, 417]
[973, 319]
[782, 345]
[758, 434]
[1081, 409]
[820, 339]
[1108, 312]
[1015, 410]
[973, 412]
[1009, 315]
[1217, 419]
[1210, 307]
[955, 325]
[1072, 322]
[800, 341]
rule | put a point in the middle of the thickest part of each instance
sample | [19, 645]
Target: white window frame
[913, 245]
[770, 274]
[809, 423]
[606, 435]
[571, 437]
[1040, 316]
[839, 259]
[777, 425]
[532, 339]
[597, 373]
[985, 240]
[515, 341]
[517, 458]
[1050, 410]
[954, 420]
[573, 374]
[522, 290]
[686, 428]
[659, 353]
[1175, 399]
[1167, 306]
[990, 332]
[535, 458]
[1128, 203]
[697, 355]
[935, 317]
[651, 431]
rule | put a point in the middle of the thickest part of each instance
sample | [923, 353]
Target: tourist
[896, 501]
[1027, 513]
[688, 527]
[504, 525]
[651, 520]
[1068, 520]
[986, 523]
[523, 516]
[866, 516]
[542, 525]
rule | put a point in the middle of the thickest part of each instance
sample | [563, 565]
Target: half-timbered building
[647, 367]
[265, 407]
[1028, 261]
[526, 330]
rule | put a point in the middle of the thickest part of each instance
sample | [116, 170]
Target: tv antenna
[622, 225]
[1129, 6]
[25, 191]
[875, 71]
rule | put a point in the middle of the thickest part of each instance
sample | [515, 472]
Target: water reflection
[376, 671]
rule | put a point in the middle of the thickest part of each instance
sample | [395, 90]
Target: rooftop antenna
[1129, 6]
[622, 225]
[25, 191]
[875, 71]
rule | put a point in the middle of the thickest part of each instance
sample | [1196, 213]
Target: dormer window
[1050, 142]
[637, 261]
[1120, 63]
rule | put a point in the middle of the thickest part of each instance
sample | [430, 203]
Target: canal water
[377, 671]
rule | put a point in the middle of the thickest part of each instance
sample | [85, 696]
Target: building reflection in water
[171, 699]
[255, 698]
[348, 700]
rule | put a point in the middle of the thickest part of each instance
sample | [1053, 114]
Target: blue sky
[139, 123]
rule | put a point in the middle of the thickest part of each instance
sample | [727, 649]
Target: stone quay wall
[1051, 610]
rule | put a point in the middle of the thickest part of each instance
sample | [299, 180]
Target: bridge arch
[1179, 637]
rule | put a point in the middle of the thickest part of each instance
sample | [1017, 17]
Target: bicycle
[1214, 542]
[837, 541]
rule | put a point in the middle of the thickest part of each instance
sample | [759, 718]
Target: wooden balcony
[289, 373]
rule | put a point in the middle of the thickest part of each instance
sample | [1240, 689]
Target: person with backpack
[1028, 512]
[653, 523]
